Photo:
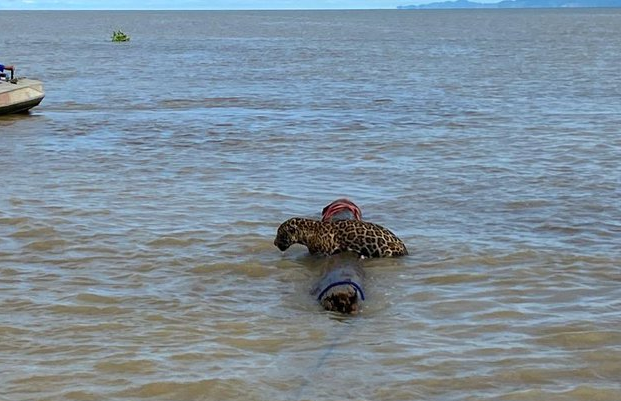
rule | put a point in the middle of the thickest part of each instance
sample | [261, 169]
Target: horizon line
[196, 9]
[225, 9]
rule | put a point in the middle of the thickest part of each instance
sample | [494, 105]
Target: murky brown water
[138, 205]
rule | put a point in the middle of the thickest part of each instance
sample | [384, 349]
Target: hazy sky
[201, 4]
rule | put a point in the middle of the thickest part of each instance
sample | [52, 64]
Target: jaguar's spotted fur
[364, 238]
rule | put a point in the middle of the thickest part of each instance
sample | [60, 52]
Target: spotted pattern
[364, 238]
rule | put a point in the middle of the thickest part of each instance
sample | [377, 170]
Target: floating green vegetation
[119, 36]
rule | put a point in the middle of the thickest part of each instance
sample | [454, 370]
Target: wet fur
[324, 237]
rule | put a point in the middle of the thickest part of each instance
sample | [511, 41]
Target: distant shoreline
[512, 4]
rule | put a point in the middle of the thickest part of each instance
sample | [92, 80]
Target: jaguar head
[287, 234]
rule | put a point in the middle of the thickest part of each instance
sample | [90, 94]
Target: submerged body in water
[341, 284]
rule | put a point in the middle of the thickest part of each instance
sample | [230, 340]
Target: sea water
[139, 202]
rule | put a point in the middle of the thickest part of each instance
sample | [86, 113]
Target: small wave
[502, 315]
[579, 339]
[142, 366]
[578, 393]
[175, 242]
[456, 278]
[12, 331]
[98, 328]
[220, 102]
[558, 228]
[47, 245]
[205, 102]
[81, 396]
[73, 106]
[96, 299]
[527, 204]
[210, 389]
[249, 269]
[13, 221]
[35, 232]
[86, 310]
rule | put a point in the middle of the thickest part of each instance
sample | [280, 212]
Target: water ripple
[140, 203]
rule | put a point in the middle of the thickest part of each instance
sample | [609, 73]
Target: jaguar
[331, 237]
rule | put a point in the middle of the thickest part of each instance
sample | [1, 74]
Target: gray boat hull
[20, 95]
